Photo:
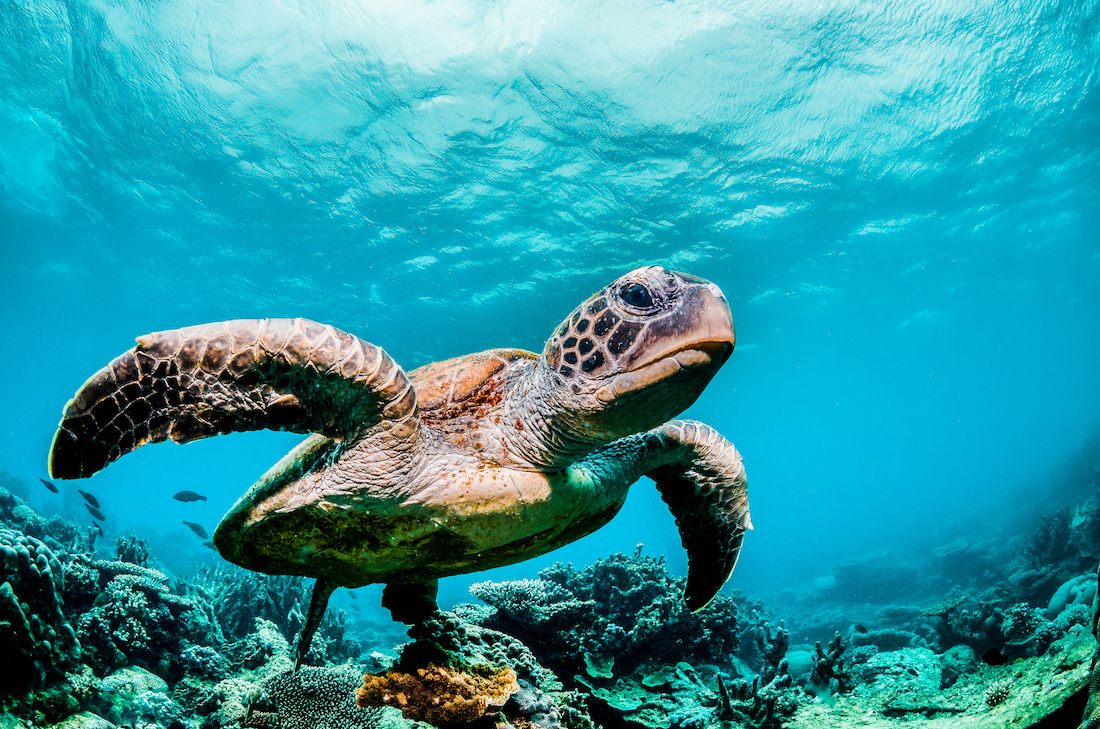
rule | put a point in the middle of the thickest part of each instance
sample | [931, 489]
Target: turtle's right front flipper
[247, 374]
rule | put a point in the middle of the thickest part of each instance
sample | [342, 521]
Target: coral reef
[438, 694]
[135, 620]
[313, 698]
[58, 534]
[625, 609]
[240, 597]
[36, 638]
[101, 641]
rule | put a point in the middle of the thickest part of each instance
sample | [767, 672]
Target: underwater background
[899, 200]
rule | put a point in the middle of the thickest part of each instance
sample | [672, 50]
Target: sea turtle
[458, 466]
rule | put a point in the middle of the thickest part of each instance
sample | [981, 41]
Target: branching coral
[829, 672]
[755, 705]
[628, 607]
[535, 602]
[136, 619]
[239, 598]
[436, 694]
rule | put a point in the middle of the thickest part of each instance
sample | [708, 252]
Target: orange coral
[437, 694]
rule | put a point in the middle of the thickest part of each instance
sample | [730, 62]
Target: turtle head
[639, 352]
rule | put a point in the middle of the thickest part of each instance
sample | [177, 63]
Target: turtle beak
[699, 337]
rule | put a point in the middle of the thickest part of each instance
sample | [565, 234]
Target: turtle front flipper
[246, 374]
[701, 478]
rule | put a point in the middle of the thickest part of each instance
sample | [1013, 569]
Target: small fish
[49, 485]
[209, 545]
[186, 496]
[89, 498]
[98, 528]
[352, 595]
[95, 512]
[197, 528]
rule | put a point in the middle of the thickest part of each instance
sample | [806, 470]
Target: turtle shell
[455, 390]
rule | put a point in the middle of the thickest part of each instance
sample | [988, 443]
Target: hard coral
[238, 598]
[437, 694]
[59, 535]
[314, 698]
[136, 619]
[36, 639]
[626, 606]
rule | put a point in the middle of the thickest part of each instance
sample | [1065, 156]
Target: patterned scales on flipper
[246, 374]
[709, 499]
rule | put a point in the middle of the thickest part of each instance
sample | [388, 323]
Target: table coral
[437, 694]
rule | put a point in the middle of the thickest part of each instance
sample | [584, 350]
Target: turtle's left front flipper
[701, 478]
[233, 376]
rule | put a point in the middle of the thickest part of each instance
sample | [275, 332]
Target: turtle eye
[636, 295]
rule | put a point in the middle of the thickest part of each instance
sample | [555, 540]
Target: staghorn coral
[438, 694]
[36, 638]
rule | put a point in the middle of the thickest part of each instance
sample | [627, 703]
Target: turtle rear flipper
[702, 479]
[246, 374]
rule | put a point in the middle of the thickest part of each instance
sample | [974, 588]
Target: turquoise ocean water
[900, 200]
